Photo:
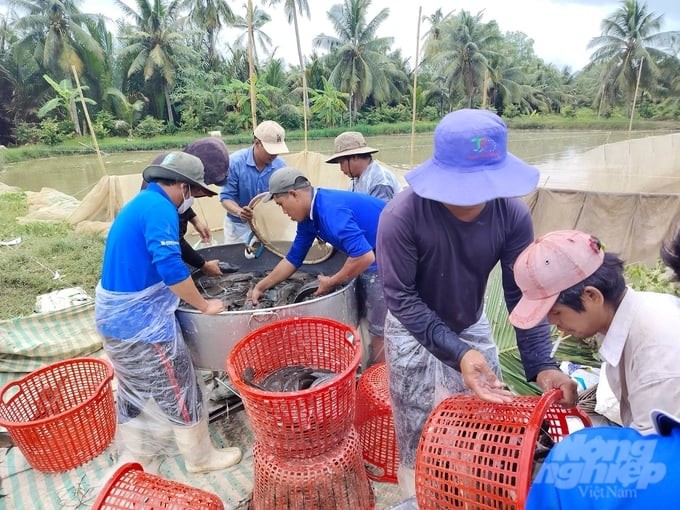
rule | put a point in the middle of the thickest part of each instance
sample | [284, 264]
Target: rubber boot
[198, 451]
[406, 478]
[138, 446]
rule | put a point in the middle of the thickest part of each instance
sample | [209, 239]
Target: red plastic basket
[477, 454]
[303, 423]
[130, 487]
[335, 480]
[375, 424]
[62, 415]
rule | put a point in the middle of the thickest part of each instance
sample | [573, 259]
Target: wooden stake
[637, 85]
[89, 123]
[415, 86]
[251, 67]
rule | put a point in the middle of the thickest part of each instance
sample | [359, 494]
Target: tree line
[164, 69]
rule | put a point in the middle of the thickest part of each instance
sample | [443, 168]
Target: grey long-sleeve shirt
[435, 269]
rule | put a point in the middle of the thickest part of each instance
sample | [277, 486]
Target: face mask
[186, 203]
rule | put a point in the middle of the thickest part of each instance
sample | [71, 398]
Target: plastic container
[130, 487]
[62, 415]
[335, 480]
[375, 424]
[307, 423]
[477, 454]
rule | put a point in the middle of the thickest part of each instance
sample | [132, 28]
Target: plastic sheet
[158, 386]
[419, 381]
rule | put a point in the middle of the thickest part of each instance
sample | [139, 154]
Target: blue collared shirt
[244, 180]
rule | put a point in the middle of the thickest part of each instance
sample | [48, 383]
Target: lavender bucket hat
[470, 164]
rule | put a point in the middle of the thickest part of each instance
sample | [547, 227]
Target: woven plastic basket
[303, 423]
[477, 454]
[130, 487]
[62, 415]
[335, 480]
[375, 424]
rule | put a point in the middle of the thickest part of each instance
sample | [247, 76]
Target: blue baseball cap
[471, 164]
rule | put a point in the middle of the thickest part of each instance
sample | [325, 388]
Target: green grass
[28, 268]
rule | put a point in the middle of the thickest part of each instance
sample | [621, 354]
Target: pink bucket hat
[470, 164]
[552, 263]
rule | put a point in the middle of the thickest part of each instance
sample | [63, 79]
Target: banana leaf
[570, 348]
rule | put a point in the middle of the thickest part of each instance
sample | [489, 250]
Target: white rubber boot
[406, 478]
[198, 451]
[137, 446]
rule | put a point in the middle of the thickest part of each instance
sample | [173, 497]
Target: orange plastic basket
[130, 487]
[62, 415]
[375, 424]
[335, 480]
[303, 423]
[477, 454]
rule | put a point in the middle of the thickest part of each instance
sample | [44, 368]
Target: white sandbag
[61, 299]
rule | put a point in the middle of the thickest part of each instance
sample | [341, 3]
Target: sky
[560, 29]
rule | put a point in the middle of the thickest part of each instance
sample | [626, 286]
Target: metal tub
[211, 337]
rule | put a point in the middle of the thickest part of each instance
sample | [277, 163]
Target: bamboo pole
[87, 119]
[637, 85]
[484, 89]
[415, 86]
[305, 95]
[251, 68]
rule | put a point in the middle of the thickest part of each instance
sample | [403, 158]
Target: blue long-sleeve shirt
[142, 247]
[244, 180]
[435, 269]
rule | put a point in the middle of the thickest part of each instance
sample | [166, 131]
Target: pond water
[77, 175]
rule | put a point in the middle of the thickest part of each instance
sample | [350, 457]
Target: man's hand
[481, 380]
[246, 214]
[202, 229]
[214, 307]
[211, 268]
[325, 285]
[554, 378]
[255, 294]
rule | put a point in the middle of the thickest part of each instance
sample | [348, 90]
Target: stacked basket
[375, 423]
[307, 453]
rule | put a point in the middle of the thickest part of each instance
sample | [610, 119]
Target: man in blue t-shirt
[611, 468]
[347, 221]
[143, 279]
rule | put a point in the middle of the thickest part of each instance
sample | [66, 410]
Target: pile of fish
[232, 288]
[293, 378]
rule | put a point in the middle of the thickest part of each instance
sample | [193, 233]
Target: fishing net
[276, 231]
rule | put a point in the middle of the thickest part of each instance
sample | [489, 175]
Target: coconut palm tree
[433, 36]
[291, 8]
[154, 47]
[260, 37]
[54, 33]
[211, 16]
[631, 45]
[466, 47]
[361, 56]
